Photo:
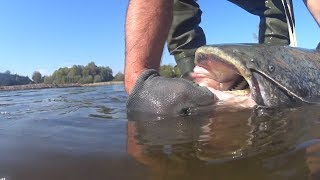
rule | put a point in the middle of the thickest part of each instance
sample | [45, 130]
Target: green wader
[185, 34]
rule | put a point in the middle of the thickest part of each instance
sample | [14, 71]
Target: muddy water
[85, 133]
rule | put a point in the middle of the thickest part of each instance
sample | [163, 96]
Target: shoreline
[47, 86]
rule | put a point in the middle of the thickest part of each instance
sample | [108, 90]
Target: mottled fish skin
[277, 75]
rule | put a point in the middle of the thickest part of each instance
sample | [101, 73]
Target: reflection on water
[85, 133]
[258, 144]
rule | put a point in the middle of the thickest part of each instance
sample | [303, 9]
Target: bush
[86, 79]
[169, 71]
[36, 77]
[97, 78]
[119, 77]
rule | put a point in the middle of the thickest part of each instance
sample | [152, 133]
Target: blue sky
[45, 35]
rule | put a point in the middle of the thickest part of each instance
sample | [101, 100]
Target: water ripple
[91, 102]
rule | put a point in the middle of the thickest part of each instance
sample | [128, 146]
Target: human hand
[160, 95]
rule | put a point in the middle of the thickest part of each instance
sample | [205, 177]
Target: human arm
[314, 8]
[147, 27]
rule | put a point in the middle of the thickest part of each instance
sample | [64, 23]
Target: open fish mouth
[221, 75]
[226, 77]
[204, 76]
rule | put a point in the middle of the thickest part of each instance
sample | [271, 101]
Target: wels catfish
[267, 75]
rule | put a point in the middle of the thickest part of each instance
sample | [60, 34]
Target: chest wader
[185, 34]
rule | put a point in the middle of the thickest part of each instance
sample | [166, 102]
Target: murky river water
[84, 133]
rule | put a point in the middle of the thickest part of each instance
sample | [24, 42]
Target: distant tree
[48, 80]
[86, 79]
[36, 77]
[60, 76]
[42, 79]
[75, 71]
[7, 72]
[177, 71]
[85, 72]
[73, 79]
[169, 71]
[93, 69]
[97, 78]
[166, 71]
[105, 73]
[119, 77]
[74, 74]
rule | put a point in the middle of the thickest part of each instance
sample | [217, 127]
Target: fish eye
[271, 68]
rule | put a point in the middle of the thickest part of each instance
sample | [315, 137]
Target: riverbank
[46, 86]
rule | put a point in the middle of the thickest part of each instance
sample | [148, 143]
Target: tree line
[91, 73]
[8, 79]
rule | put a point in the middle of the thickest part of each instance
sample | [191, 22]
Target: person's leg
[273, 27]
[273, 24]
[185, 34]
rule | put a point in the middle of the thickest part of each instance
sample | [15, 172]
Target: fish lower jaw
[243, 92]
[242, 99]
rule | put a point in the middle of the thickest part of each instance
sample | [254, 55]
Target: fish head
[266, 69]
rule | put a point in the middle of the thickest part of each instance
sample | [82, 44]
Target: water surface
[85, 133]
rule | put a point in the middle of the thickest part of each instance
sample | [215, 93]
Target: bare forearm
[147, 26]
[314, 8]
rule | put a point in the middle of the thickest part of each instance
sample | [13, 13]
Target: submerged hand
[160, 95]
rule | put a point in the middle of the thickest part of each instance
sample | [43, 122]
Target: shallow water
[84, 133]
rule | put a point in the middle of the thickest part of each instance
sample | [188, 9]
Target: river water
[85, 133]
